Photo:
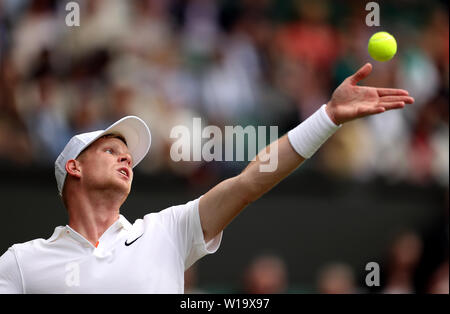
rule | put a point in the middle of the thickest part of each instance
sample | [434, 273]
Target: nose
[125, 158]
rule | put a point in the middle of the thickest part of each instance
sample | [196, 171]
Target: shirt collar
[120, 223]
[124, 223]
[57, 233]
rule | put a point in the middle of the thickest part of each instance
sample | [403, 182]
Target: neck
[90, 214]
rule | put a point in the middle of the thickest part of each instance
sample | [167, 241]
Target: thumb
[361, 74]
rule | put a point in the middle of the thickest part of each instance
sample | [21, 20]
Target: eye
[109, 151]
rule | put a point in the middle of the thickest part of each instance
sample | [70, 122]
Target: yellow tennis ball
[382, 46]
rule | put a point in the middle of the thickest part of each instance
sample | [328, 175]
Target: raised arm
[349, 101]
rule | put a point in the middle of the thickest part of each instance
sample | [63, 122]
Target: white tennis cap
[133, 129]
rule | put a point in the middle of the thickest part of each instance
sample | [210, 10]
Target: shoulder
[35, 245]
[179, 209]
[173, 213]
[10, 273]
[27, 246]
[11, 259]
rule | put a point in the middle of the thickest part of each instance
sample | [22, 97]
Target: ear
[73, 168]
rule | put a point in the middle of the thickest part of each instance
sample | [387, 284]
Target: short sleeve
[183, 223]
[10, 278]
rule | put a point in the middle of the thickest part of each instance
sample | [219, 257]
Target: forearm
[226, 200]
[290, 151]
[255, 183]
[272, 164]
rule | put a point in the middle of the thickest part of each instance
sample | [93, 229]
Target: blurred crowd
[229, 62]
[232, 62]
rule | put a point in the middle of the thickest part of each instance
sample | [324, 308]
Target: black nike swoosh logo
[128, 244]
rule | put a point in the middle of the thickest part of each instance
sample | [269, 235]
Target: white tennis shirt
[149, 256]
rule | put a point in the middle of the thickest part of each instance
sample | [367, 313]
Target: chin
[119, 187]
[125, 187]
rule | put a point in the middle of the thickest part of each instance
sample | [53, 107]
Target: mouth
[125, 172]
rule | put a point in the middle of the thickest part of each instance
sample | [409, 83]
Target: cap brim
[136, 134]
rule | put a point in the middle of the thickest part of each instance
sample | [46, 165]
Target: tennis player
[99, 251]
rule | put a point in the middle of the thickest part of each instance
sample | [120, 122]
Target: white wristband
[309, 135]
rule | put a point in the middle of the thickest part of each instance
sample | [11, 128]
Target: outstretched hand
[350, 101]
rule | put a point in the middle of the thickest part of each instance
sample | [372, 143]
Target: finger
[361, 74]
[392, 105]
[391, 92]
[405, 99]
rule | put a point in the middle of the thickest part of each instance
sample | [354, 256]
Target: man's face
[107, 164]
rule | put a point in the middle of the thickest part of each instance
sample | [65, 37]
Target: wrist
[309, 135]
[331, 114]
